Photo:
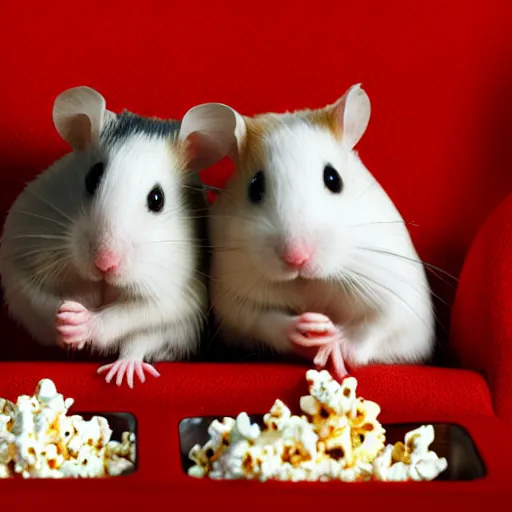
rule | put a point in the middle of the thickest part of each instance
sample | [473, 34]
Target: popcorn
[338, 437]
[6, 447]
[89, 463]
[277, 416]
[5, 471]
[39, 440]
[243, 429]
[412, 460]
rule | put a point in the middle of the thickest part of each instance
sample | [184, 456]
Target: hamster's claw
[73, 323]
[128, 367]
[333, 350]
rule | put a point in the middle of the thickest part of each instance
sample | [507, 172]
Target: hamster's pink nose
[107, 261]
[297, 255]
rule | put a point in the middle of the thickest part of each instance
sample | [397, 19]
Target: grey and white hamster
[103, 249]
[310, 254]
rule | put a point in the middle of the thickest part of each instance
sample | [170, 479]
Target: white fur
[157, 304]
[397, 326]
[380, 302]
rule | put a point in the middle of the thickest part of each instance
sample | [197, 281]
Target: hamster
[311, 257]
[103, 249]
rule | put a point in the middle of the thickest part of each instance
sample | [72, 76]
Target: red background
[439, 76]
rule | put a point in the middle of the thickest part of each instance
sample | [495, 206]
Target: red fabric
[482, 319]
[439, 77]
[405, 394]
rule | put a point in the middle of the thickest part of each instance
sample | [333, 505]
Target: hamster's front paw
[333, 350]
[128, 367]
[74, 325]
[311, 330]
[316, 331]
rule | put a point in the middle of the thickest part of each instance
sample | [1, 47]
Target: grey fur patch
[127, 125]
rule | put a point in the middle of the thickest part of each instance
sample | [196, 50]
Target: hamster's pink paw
[316, 331]
[74, 325]
[128, 367]
[311, 330]
[332, 350]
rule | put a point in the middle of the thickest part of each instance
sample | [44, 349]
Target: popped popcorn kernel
[243, 429]
[39, 440]
[5, 471]
[412, 459]
[277, 416]
[339, 437]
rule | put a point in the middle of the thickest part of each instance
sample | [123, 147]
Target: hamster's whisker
[392, 292]
[40, 251]
[197, 217]
[144, 290]
[373, 183]
[244, 218]
[213, 187]
[42, 217]
[383, 222]
[239, 217]
[50, 270]
[54, 270]
[356, 285]
[227, 249]
[408, 282]
[366, 292]
[193, 246]
[396, 276]
[43, 237]
[223, 192]
[237, 245]
[52, 206]
[431, 267]
[346, 281]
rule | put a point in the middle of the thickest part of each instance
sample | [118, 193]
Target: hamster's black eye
[256, 189]
[93, 177]
[156, 199]
[332, 179]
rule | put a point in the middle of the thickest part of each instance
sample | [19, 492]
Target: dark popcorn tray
[451, 441]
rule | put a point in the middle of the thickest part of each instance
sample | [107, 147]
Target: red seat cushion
[405, 393]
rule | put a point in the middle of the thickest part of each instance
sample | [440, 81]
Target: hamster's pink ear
[353, 112]
[79, 114]
[211, 132]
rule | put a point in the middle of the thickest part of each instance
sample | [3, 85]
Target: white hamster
[103, 249]
[310, 254]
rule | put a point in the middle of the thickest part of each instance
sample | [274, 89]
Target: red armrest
[482, 315]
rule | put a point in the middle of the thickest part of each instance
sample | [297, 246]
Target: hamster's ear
[79, 114]
[352, 113]
[211, 132]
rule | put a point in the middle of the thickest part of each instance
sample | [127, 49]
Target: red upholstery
[439, 76]
[406, 394]
[482, 320]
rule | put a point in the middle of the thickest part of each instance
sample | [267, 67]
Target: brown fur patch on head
[324, 118]
[257, 128]
[179, 150]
